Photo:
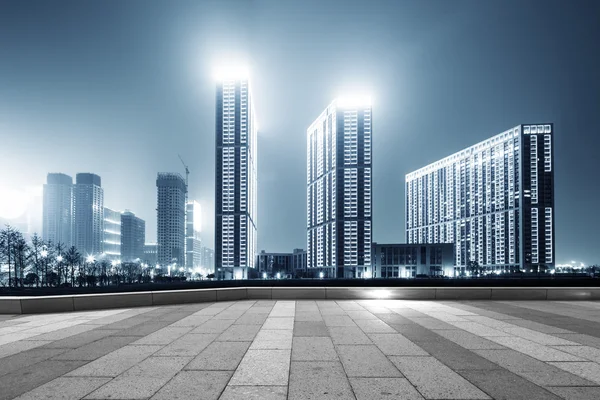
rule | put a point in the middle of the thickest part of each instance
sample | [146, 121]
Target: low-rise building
[400, 260]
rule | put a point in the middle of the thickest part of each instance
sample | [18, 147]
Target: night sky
[119, 88]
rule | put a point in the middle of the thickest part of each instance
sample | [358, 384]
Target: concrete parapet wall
[82, 302]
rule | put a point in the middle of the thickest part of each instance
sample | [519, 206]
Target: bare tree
[72, 259]
[7, 240]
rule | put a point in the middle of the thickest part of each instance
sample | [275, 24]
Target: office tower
[170, 211]
[111, 242]
[493, 200]
[150, 254]
[58, 209]
[193, 244]
[236, 181]
[208, 259]
[339, 190]
[88, 214]
[133, 237]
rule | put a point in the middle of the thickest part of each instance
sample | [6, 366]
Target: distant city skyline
[122, 103]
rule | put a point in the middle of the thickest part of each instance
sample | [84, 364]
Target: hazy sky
[119, 88]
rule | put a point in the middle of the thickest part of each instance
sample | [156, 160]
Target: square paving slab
[325, 349]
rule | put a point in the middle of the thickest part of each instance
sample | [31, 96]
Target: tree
[72, 259]
[7, 239]
[31, 279]
[37, 249]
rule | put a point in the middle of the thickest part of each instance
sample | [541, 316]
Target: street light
[264, 275]
[90, 259]
[59, 258]
[44, 253]
[321, 274]
[278, 275]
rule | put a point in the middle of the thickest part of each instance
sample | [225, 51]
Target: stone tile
[396, 345]
[254, 393]
[164, 336]
[191, 320]
[65, 388]
[96, 349]
[20, 346]
[190, 344]
[434, 380]
[273, 339]
[360, 314]
[576, 393]
[384, 388]
[432, 323]
[338, 320]
[586, 370]
[142, 380]
[313, 349]
[308, 316]
[374, 326]
[536, 326]
[366, 361]
[239, 333]
[505, 385]
[479, 329]
[468, 340]
[251, 319]
[456, 357]
[229, 314]
[28, 378]
[117, 362]
[26, 358]
[263, 368]
[279, 323]
[142, 329]
[190, 384]
[318, 380]
[538, 337]
[214, 326]
[586, 340]
[537, 351]
[310, 329]
[348, 335]
[219, 356]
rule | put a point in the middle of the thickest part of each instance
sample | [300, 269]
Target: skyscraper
[493, 200]
[339, 190]
[88, 212]
[111, 242]
[133, 236]
[58, 209]
[170, 211]
[236, 180]
[193, 244]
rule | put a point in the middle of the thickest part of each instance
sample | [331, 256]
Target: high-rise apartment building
[171, 191]
[58, 209]
[493, 200]
[88, 214]
[339, 189]
[235, 180]
[150, 254]
[193, 243]
[133, 237]
[208, 259]
[111, 241]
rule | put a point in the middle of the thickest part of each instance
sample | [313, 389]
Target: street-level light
[90, 259]
[278, 275]
[321, 274]
[44, 253]
[59, 258]
[264, 275]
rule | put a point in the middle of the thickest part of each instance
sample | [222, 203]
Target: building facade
[208, 259]
[410, 260]
[339, 190]
[235, 180]
[299, 263]
[171, 192]
[193, 243]
[111, 241]
[274, 263]
[493, 200]
[88, 214]
[57, 225]
[151, 254]
[133, 237]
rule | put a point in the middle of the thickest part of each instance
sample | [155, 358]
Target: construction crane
[187, 173]
[185, 249]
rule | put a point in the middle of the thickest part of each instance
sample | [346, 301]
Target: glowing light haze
[120, 88]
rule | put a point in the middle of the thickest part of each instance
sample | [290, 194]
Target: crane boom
[187, 172]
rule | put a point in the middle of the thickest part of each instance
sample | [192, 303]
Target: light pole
[44, 254]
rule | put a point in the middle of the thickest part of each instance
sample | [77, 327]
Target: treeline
[39, 263]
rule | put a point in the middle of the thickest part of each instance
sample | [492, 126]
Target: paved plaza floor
[371, 349]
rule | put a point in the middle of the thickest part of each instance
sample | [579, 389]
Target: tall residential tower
[339, 190]
[58, 209]
[170, 213]
[88, 214]
[133, 236]
[493, 200]
[235, 180]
